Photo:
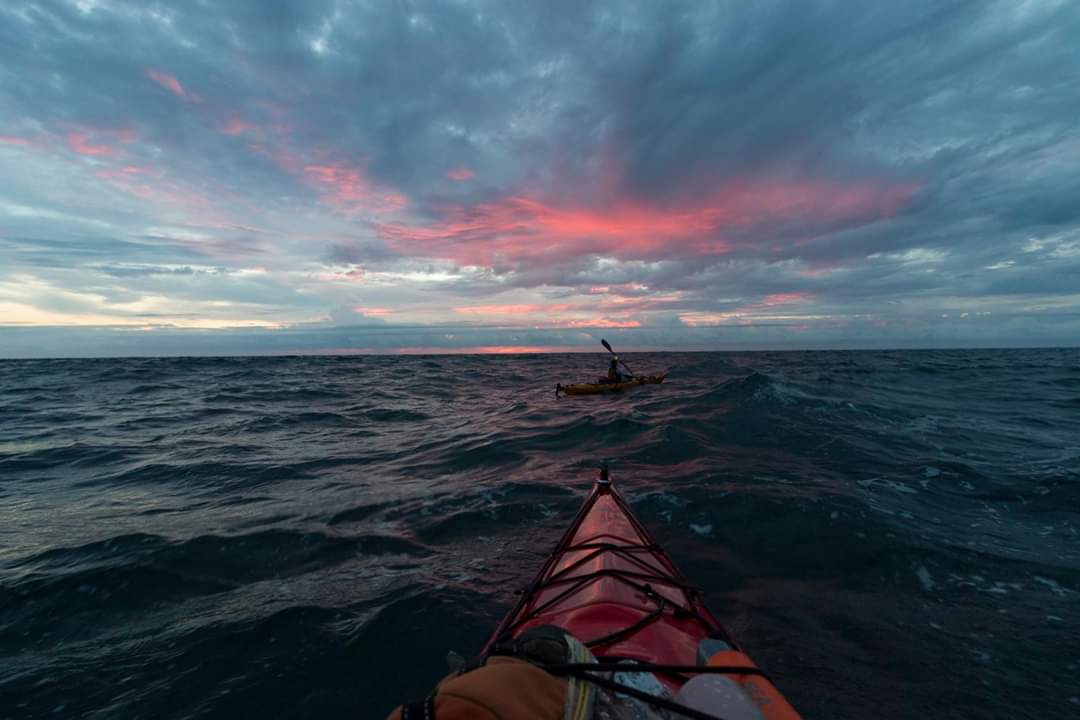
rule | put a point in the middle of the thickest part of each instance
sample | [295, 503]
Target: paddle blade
[605, 344]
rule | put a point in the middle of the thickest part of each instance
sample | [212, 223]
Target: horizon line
[497, 351]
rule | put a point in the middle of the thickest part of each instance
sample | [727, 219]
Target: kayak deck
[610, 585]
[608, 387]
[613, 588]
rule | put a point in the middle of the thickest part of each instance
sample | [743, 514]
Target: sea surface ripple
[888, 534]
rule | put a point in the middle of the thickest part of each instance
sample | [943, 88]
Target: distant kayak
[597, 388]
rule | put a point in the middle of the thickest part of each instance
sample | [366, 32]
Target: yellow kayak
[607, 387]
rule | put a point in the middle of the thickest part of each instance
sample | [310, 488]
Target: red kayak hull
[582, 589]
[611, 586]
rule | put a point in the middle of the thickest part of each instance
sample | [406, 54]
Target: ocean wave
[198, 538]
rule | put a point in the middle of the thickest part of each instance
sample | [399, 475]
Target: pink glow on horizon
[513, 349]
[487, 350]
[460, 174]
[170, 83]
[520, 229]
[373, 311]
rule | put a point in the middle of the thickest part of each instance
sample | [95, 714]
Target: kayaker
[502, 688]
[614, 375]
[512, 683]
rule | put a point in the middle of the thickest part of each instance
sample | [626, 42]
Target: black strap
[419, 710]
[631, 629]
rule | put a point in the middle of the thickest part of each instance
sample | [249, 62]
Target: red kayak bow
[611, 586]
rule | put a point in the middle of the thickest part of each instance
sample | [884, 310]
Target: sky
[466, 176]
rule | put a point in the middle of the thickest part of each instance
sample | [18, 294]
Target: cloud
[170, 83]
[797, 164]
[460, 174]
[347, 190]
[519, 229]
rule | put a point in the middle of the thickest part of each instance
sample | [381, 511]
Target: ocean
[887, 534]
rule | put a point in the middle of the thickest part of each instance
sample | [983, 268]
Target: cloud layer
[489, 174]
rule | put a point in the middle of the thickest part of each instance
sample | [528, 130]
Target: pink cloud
[13, 140]
[283, 158]
[235, 125]
[820, 270]
[92, 141]
[348, 190]
[521, 309]
[122, 172]
[355, 274]
[615, 310]
[80, 143]
[548, 315]
[197, 209]
[125, 136]
[170, 83]
[600, 322]
[620, 290]
[785, 299]
[224, 248]
[620, 304]
[460, 174]
[519, 229]
[373, 311]
[345, 188]
[747, 314]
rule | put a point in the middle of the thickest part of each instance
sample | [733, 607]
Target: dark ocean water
[889, 534]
